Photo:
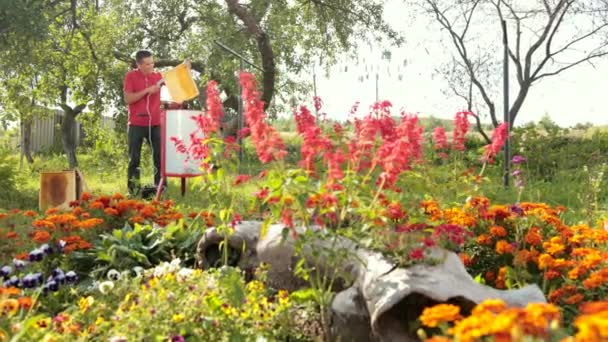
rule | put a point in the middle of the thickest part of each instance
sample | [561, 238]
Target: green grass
[106, 174]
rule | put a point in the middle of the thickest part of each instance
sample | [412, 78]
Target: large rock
[396, 295]
[383, 298]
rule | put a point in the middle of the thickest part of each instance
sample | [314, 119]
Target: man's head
[145, 61]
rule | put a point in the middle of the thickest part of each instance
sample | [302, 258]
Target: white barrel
[179, 124]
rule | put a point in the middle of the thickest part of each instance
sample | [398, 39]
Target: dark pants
[135, 138]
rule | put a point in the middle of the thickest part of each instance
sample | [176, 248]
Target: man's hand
[153, 89]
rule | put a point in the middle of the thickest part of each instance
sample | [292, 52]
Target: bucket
[180, 84]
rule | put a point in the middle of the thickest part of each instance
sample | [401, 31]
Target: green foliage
[217, 306]
[550, 149]
[138, 246]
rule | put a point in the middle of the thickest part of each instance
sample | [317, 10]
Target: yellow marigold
[592, 327]
[555, 246]
[545, 261]
[473, 327]
[538, 317]
[459, 217]
[577, 272]
[490, 305]
[432, 209]
[434, 316]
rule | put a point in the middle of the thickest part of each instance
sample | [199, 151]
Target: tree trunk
[26, 140]
[264, 47]
[68, 138]
[68, 133]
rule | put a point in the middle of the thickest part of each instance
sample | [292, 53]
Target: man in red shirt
[142, 94]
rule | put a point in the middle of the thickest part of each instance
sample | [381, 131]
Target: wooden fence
[46, 132]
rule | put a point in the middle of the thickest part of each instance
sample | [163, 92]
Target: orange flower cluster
[493, 319]
[532, 243]
[11, 301]
[77, 227]
[439, 314]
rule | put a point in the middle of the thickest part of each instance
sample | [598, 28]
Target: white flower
[175, 265]
[184, 273]
[113, 275]
[117, 339]
[106, 286]
[161, 269]
[138, 271]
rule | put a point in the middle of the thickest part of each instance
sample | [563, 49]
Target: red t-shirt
[134, 82]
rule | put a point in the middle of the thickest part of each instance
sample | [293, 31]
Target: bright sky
[575, 96]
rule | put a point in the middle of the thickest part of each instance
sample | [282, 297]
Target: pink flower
[499, 136]
[461, 127]
[268, 144]
[440, 139]
[417, 254]
[318, 103]
[314, 142]
[240, 179]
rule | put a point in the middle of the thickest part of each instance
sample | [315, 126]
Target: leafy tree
[281, 37]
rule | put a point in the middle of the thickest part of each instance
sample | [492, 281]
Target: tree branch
[571, 65]
[161, 63]
[462, 51]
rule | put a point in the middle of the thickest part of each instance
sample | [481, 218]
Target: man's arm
[134, 97]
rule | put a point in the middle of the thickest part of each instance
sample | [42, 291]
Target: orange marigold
[498, 231]
[25, 302]
[533, 237]
[118, 196]
[41, 236]
[9, 291]
[111, 211]
[43, 224]
[504, 247]
[594, 307]
[96, 205]
[90, 223]
[29, 213]
[484, 239]
[51, 211]
[438, 314]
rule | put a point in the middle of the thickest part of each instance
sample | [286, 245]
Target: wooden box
[58, 189]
